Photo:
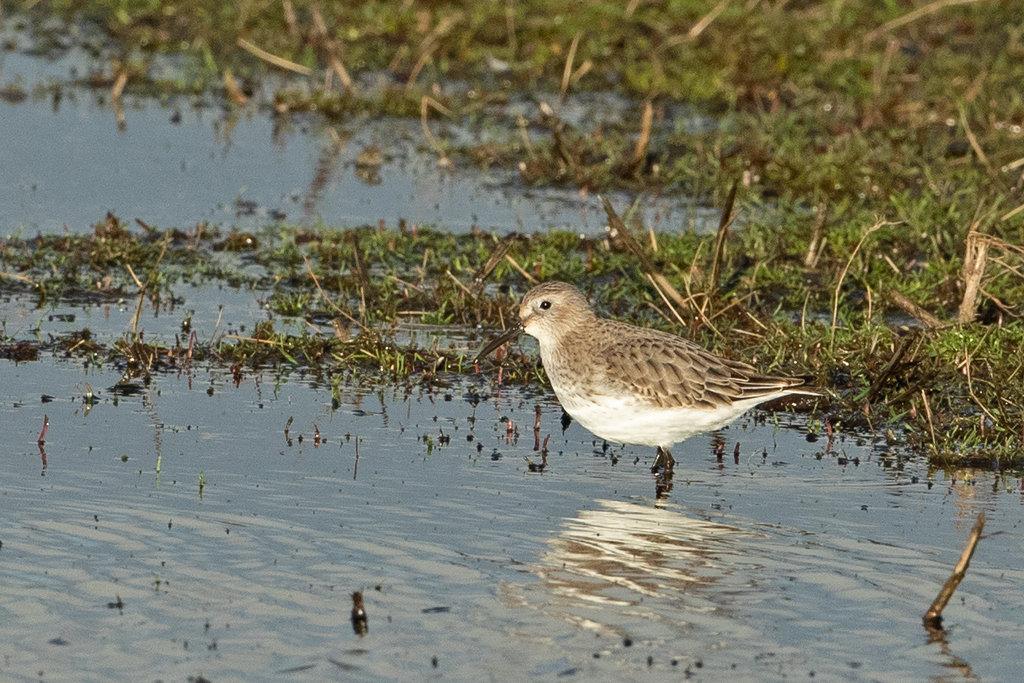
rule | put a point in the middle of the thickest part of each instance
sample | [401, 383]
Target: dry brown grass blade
[636, 162]
[510, 26]
[457, 281]
[931, 423]
[699, 27]
[817, 244]
[319, 25]
[888, 370]
[316, 282]
[1011, 213]
[706, 20]
[567, 72]
[522, 271]
[974, 142]
[119, 82]
[426, 104]
[420, 63]
[842, 276]
[911, 17]
[338, 68]
[723, 233]
[430, 43]
[331, 47]
[933, 617]
[970, 383]
[144, 286]
[273, 59]
[21, 278]
[362, 272]
[290, 19]
[234, 92]
[661, 293]
[561, 149]
[622, 239]
[500, 249]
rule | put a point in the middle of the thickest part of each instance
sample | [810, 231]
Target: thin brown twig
[915, 311]
[500, 249]
[973, 270]
[42, 435]
[403, 282]
[420, 63]
[933, 617]
[1004, 264]
[643, 142]
[144, 287]
[737, 302]
[699, 308]
[662, 313]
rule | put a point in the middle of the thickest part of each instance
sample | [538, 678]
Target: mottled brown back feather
[668, 371]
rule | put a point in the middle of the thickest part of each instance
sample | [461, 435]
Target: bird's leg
[663, 479]
[663, 459]
[663, 485]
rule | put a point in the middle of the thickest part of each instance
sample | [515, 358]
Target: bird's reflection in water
[642, 548]
[624, 561]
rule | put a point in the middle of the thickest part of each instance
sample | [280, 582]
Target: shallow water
[64, 164]
[782, 565]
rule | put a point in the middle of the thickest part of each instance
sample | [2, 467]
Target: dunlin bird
[634, 385]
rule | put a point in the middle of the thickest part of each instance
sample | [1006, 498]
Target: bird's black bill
[508, 335]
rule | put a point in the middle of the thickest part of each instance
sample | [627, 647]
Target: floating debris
[359, 621]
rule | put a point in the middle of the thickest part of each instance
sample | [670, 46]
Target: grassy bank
[954, 389]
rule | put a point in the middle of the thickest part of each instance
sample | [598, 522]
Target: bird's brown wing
[668, 371]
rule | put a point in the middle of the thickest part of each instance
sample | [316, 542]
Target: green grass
[769, 309]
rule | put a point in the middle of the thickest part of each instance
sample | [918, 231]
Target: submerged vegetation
[872, 155]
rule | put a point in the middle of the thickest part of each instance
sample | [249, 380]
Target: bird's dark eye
[545, 305]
